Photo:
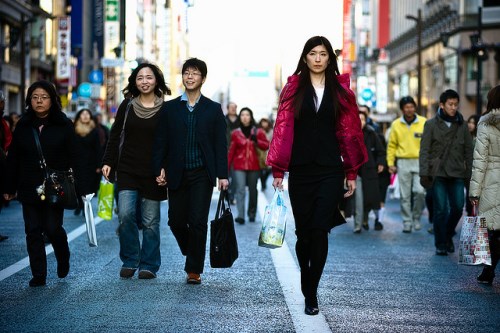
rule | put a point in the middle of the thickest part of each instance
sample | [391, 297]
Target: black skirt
[315, 195]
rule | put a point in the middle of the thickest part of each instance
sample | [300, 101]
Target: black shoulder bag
[58, 187]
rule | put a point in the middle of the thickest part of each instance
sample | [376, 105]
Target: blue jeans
[132, 255]
[448, 206]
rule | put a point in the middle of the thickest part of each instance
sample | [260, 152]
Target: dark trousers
[40, 218]
[312, 251]
[448, 204]
[188, 208]
[494, 238]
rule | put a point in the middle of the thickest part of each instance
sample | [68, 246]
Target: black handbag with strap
[223, 244]
[58, 187]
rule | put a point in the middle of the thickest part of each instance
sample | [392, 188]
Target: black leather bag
[58, 187]
[223, 244]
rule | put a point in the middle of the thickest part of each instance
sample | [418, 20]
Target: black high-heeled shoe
[311, 311]
[311, 308]
[486, 276]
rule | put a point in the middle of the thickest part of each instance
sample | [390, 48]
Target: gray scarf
[144, 112]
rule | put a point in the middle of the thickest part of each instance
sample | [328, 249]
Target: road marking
[23, 263]
[289, 278]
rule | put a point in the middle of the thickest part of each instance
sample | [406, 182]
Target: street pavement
[376, 281]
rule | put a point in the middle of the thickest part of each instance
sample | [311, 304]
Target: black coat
[171, 139]
[89, 160]
[23, 172]
[368, 172]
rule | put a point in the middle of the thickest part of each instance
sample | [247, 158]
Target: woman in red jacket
[318, 140]
[244, 159]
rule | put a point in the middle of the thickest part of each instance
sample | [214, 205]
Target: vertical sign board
[111, 27]
[111, 40]
[63, 69]
[346, 48]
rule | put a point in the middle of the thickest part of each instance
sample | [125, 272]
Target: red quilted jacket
[348, 131]
[242, 154]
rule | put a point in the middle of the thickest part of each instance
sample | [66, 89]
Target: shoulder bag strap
[122, 133]
[43, 165]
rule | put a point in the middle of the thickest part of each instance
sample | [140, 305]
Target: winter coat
[368, 172]
[348, 131]
[89, 160]
[485, 181]
[23, 171]
[458, 163]
[242, 151]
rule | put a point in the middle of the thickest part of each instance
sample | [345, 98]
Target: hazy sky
[236, 35]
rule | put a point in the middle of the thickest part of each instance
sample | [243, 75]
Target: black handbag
[58, 187]
[223, 244]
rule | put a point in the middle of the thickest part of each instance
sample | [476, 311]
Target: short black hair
[196, 63]
[448, 94]
[406, 100]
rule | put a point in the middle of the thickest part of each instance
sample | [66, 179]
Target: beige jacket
[485, 181]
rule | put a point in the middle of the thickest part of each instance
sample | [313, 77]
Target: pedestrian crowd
[332, 151]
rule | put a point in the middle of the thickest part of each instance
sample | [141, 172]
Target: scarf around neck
[144, 112]
[458, 118]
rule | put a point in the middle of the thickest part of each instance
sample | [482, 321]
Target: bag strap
[221, 207]
[122, 133]
[43, 165]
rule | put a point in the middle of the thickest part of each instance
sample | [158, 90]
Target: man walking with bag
[189, 154]
[445, 167]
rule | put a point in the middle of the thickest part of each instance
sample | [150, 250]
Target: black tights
[312, 250]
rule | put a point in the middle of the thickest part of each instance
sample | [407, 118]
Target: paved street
[376, 281]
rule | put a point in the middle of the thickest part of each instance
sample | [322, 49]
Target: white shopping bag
[474, 246]
[89, 219]
[273, 229]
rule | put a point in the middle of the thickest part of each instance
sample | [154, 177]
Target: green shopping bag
[105, 199]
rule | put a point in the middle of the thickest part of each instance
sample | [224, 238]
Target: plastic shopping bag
[89, 219]
[474, 246]
[105, 199]
[273, 229]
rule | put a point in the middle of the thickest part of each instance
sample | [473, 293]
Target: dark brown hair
[493, 99]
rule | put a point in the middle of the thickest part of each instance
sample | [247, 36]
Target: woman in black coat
[89, 154]
[24, 175]
[368, 197]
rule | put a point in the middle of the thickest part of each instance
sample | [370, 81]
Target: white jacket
[485, 181]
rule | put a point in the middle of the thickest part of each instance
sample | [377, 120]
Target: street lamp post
[418, 21]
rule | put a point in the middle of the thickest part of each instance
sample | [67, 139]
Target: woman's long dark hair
[252, 119]
[493, 99]
[50, 88]
[161, 88]
[331, 72]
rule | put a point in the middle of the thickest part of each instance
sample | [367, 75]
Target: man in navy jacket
[189, 155]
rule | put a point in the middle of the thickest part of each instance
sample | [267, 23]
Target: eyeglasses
[42, 97]
[187, 74]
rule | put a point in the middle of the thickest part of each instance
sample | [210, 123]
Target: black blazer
[169, 148]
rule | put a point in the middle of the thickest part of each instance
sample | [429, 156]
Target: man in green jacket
[445, 167]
